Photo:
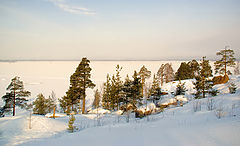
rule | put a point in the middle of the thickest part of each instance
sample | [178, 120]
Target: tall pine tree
[40, 105]
[80, 81]
[16, 95]
[106, 93]
[194, 67]
[136, 89]
[155, 91]
[203, 84]
[183, 72]
[144, 74]
[97, 99]
[127, 92]
[227, 59]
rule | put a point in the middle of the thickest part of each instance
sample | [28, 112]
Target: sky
[118, 29]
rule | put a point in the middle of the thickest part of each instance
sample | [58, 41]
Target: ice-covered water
[46, 76]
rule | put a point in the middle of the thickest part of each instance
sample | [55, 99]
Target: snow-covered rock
[181, 98]
[149, 107]
[50, 115]
[99, 111]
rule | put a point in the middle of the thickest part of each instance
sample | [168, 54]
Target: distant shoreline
[101, 60]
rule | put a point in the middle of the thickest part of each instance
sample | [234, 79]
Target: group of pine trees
[117, 93]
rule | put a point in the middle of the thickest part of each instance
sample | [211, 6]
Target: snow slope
[175, 126]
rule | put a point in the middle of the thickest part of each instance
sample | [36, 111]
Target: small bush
[232, 88]
[71, 127]
[219, 113]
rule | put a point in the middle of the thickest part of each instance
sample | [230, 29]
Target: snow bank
[99, 111]
[167, 101]
[57, 115]
[181, 98]
[119, 112]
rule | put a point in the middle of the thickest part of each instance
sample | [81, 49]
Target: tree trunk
[142, 86]
[225, 62]
[83, 106]
[14, 102]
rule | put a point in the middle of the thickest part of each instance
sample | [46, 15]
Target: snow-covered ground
[174, 126]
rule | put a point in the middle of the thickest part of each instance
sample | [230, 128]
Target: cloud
[72, 9]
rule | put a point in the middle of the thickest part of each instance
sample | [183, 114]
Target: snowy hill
[174, 126]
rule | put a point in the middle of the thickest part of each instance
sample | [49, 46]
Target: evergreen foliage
[144, 74]
[181, 89]
[71, 127]
[118, 85]
[79, 82]
[106, 93]
[51, 102]
[16, 95]
[165, 73]
[127, 93]
[194, 67]
[203, 84]
[40, 105]
[232, 88]
[155, 90]
[113, 91]
[97, 99]
[136, 90]
[237, 69]
[183, 72]
[160, 74]
[227, 59]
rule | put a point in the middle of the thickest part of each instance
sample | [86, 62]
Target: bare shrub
[197, 105]
[210, 103]
[219, 112]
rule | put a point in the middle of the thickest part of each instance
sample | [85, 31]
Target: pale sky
[117, 29]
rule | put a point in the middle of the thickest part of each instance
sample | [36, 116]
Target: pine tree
[16, 95]
[160, 74]
[155, 90]
[183, 72]
[194, 67]
[203, 84]
[144, 74]
[118, 86]
[127, 93]
[226, 60]
[168, 72]
[80, 81]
[113, 93]
[136, 89]
[64, 103]
[237, 69]
[51, 102]
[232, 88]
[97, 99]
[71, 127]
[181, 89]
[40, 105]
[106, 93]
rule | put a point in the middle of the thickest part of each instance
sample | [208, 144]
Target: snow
[99, 111]
[181, 98]
[50, 115]
[173, 126]
[149, 107]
